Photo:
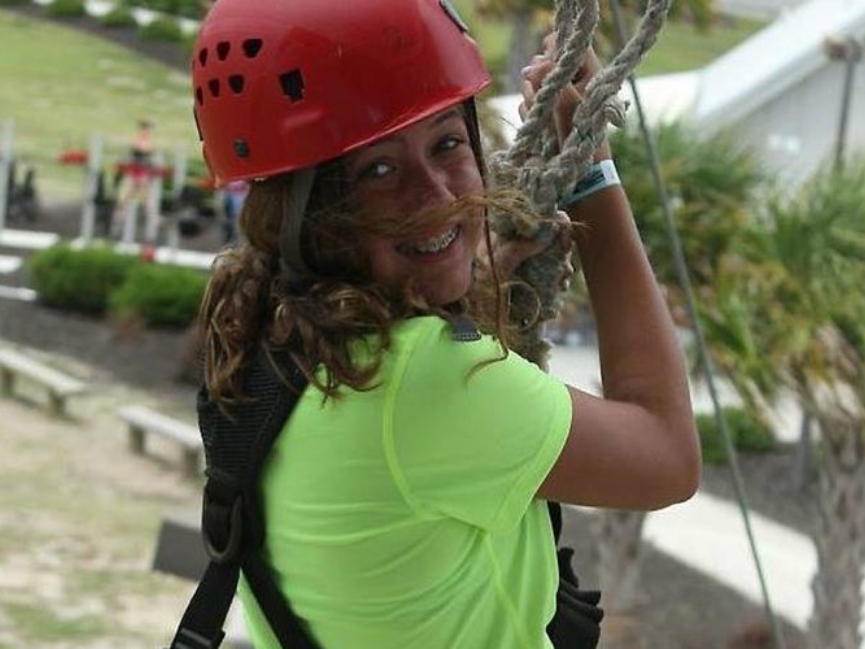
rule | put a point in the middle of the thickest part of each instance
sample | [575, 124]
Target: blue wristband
[600, 175]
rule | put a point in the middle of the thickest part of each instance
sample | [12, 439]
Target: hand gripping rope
[542, 171]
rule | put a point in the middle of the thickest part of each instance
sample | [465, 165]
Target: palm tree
[798, 298]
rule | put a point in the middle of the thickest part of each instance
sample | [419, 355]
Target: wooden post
[152, 205]
[130, 221]
[136, 439]
[178, 180]
[91, 179]
[7, 378]
[7, 142]
[56, 403]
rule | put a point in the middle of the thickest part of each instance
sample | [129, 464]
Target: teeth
[438, 243]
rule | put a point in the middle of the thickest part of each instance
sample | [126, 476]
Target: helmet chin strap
[295, 200]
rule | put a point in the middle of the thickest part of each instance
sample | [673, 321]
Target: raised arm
[635, 448]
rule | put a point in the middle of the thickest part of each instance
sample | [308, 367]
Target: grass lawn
[62, 87]
[680, 46]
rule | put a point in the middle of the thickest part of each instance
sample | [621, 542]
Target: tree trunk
[840, 534]
[618, 548]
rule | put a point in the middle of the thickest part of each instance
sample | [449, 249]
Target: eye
[449, 143]
[374, 171]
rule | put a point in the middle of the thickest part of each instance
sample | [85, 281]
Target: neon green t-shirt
[405, 516]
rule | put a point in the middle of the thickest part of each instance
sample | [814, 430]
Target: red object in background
[138, 170]
[148, 253]
[77, 157]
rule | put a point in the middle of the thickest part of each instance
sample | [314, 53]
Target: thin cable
[702, 352]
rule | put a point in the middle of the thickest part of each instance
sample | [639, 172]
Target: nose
[428, 186]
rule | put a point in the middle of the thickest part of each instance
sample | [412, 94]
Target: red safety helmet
[285, 84]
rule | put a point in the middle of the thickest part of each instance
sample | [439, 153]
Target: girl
[405, 497]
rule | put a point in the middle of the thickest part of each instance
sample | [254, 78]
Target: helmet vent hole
[251, 47]
[202, 57]
[199, 96]
[222, 50]
[213, 84]
[292, 84]
[236, 82]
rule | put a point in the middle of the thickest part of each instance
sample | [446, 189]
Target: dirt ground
[80, 516]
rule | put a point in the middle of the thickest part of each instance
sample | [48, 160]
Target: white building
[778, 91]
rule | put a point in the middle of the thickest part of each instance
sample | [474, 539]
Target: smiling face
[422, 168]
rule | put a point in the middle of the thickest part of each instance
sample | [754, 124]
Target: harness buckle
[222, 528]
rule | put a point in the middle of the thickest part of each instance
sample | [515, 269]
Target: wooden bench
[59, 385]
[179, 546]
[143, 421]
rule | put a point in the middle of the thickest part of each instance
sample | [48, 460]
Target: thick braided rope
[535, 166]
[592, 115]
[577, 29]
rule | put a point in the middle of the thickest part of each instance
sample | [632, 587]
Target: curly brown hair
[316, 316]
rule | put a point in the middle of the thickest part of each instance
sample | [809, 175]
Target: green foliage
[819, 234]
[160, 295]
[97, 279]
[119, 17]
[711, 183]
[748, 433]
[67, 9]
[786, 308]
[162, 30]
[78, 280]
[10, 3]
[817, 238]
[685, 45]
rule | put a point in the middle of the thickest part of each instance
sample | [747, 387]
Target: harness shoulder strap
[237, 443]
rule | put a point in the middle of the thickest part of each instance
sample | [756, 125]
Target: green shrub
[78, 280]
[749, 434]
[67, 9]
[10, 3]
[190, 9]
[160, 295]
[119, 18]
[162, 30]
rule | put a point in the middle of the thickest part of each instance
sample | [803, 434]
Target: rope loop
[542, 170]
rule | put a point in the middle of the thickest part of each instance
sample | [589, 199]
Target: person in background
[405, 498]
[133, 183]
[233, 197]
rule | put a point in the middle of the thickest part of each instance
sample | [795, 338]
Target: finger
[528, 98]
[550, 43]
[528, 90]
[537, 70]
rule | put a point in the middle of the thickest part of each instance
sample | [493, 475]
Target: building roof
[774, 59]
